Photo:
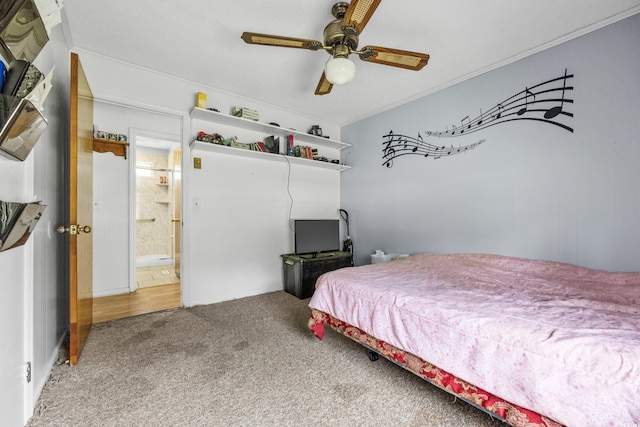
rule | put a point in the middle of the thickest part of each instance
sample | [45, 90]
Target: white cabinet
[251, 131]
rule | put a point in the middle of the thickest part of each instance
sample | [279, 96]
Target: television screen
[316, 235]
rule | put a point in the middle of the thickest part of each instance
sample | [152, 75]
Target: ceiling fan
[341, 40]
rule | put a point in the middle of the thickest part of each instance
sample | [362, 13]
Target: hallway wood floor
[143, 300]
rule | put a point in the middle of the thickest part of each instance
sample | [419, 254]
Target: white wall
[232, 242]
[531, 189]
[243, 223]
[16, 284]
[110, 225]
[34, 302]
[51, 289]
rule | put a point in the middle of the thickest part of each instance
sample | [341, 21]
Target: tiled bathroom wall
[154, 205]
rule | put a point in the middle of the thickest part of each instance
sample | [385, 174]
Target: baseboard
[233, 296]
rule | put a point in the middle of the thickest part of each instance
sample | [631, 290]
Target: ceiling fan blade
[394, 57]
[359, 13]
[270, 40]
[324, 85]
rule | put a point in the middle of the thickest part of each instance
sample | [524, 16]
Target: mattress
[558, 339]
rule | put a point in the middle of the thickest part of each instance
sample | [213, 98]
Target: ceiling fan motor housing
[335, 35]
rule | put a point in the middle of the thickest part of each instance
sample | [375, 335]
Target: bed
[535, 343]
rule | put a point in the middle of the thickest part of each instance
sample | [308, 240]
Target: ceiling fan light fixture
[340, 70]
[341, 39]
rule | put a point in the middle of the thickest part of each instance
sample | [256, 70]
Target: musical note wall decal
[462, 123]
[554, 111]
[397, 145]
[525, 108]
[498, 115]
[544, 103]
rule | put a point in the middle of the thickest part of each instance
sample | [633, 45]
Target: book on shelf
[236, 144]
[290, 148]
[304, 151]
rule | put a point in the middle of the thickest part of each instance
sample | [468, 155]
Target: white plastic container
[380, 256]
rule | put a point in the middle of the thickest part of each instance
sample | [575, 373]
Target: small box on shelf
[245, 113]
[201, 100]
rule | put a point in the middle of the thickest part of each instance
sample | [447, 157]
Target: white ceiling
[199, 40]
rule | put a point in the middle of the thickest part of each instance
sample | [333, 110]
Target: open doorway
[154, 216]
[157, 211]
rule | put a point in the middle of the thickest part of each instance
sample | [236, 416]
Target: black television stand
[300, 272]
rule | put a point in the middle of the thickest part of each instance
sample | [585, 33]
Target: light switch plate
[197, 163]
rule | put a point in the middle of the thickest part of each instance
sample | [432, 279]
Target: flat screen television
[313, 236]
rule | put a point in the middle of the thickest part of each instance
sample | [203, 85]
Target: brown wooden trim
[118, 148]
[73, 219]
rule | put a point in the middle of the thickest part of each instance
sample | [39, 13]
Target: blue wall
[531, 189]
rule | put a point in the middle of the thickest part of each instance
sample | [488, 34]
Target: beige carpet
[247, 362]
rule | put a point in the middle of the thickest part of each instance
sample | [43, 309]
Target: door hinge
[28, 372]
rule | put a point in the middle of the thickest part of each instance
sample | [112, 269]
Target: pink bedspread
[561, 340]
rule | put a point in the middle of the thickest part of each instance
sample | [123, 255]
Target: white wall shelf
[223, 149]
[267, 129]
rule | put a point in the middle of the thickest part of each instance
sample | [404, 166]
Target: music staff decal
[544, 102]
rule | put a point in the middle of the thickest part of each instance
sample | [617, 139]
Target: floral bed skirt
[495, 406]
